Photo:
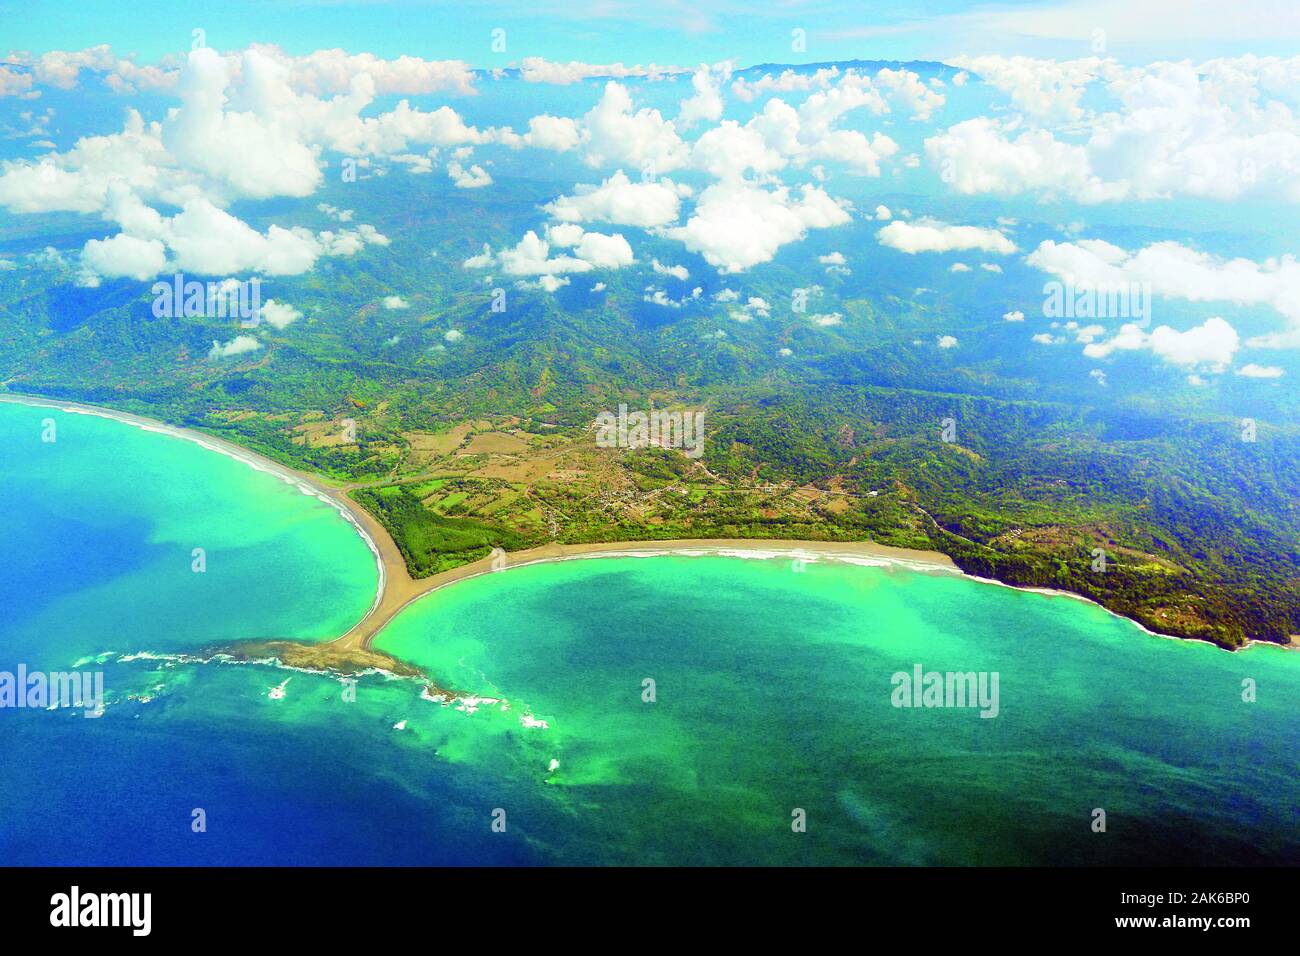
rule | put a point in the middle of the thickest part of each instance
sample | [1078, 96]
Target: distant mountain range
[920, 67]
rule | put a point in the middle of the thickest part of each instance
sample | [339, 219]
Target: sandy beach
[371, 531]
[402, 589]
[397, 588]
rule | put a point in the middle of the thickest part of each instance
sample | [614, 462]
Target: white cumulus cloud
[930, 235]
[737, 224]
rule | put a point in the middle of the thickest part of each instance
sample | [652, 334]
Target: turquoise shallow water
[772, 693]
[101, 526]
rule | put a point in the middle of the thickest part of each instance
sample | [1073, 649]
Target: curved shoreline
[397, 589]
[363, 635]
[311, 485]
[864, 553]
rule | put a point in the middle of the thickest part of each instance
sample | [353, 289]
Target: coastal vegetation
[485, 440]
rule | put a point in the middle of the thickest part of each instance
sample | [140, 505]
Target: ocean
[621, 710]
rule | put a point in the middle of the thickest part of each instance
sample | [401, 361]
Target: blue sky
[667, 31]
